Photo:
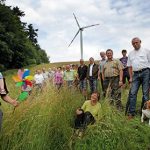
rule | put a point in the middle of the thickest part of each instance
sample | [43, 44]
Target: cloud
[119, 21]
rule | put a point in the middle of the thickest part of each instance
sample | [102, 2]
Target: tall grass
[45, 122]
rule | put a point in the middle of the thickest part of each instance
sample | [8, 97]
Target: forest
[18, 40]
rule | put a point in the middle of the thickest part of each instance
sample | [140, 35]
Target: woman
[88, 113]
[58, 78]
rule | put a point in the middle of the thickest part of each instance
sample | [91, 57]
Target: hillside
[44, 122]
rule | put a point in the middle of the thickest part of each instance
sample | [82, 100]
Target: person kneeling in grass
[87, 114]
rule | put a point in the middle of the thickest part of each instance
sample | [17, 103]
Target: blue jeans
[93, 84]
[83, 84]
[139, 78]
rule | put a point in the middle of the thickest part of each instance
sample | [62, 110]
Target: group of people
[58, 77]
[112, 73]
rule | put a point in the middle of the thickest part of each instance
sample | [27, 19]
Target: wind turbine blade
[73, 38]
[76, 20]
[90, 26]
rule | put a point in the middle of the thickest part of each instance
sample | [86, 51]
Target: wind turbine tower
[80, 30]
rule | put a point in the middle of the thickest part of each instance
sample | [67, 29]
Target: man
[69, 76]
[139, 64]
[92, 75]
[82, 72]
[38, 80]
[76, 81]
[45, 74]
[112, 77]
[124, 60]
[101, 64]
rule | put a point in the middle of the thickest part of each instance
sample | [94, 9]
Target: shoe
[76, 132]
[130, 117]
[80, 135]
[2, 91]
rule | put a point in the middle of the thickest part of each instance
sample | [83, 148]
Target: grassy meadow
[45, 120]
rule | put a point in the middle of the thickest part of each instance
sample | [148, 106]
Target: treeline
[18, 41]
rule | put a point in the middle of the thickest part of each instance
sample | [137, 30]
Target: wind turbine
[81, 38]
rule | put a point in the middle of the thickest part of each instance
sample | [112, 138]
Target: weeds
[45, 122]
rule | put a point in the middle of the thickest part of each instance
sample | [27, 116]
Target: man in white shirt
[139, 64]
[92, 75]
[38, 79]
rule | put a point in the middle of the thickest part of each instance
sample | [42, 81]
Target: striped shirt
[112, 68]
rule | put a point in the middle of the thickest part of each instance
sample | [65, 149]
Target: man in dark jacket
[82, 72]
[92, 75]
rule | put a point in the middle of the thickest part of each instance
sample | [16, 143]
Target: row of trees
[18, 41]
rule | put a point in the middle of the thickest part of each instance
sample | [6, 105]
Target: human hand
[130, 80]
[15, 103]
[120, 83]
[78, 112]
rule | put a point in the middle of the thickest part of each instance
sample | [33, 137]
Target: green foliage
[18, 43]
[31, 61]
[2, 67]
[18, 12]
[32, 33]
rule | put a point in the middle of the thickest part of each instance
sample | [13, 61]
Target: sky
[120, 21]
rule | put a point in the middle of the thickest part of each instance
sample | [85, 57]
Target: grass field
[44, 122]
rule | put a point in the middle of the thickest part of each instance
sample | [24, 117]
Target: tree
[18, 12]
[18, 42]
[32, 33]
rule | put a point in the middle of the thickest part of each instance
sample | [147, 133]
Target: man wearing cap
[139, 71]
